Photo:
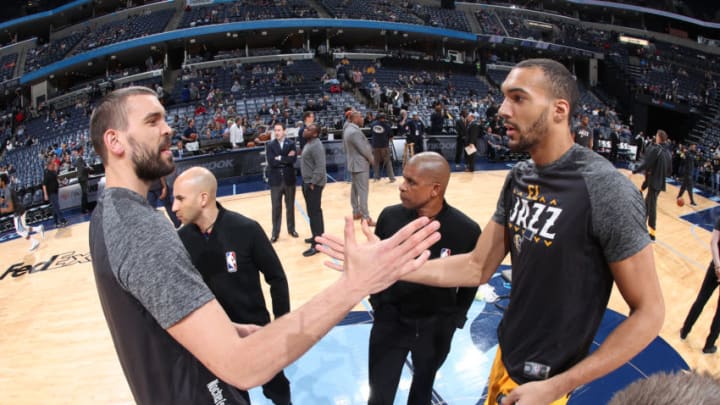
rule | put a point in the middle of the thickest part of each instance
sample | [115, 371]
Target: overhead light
[301, 31]
[234, 35]
[192, 40]
[340, 31]
[263, 33]
[113, 57]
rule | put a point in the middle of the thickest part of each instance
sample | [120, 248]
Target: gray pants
[359, 193]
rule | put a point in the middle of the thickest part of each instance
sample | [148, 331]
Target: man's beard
[530, 137]
[149, 166]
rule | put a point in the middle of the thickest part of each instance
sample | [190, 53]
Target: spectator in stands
[281, 157]
[11, 203]
[416, 132]
[190, 134]
[180, 151]
[582, 134]
[236, 133]
[614, 144]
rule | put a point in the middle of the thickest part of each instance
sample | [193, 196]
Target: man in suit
[180, 152]
[359, 159]
[461, 131]
[281, 157]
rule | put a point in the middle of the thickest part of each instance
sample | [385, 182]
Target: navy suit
[282, 180]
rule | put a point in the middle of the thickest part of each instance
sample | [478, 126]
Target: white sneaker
[42, 231]
[35, 244]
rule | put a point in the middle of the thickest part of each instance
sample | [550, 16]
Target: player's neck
[553, 146]
[207, 219]
[118, 177]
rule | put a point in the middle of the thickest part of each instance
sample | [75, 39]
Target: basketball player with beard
[573, 225]
[175, 343]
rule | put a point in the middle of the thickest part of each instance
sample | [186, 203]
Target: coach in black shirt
[230, 251]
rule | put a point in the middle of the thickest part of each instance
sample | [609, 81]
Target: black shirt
[380, 134]
[459, 234]
[582, 136]
[51, 182]
[230, 259]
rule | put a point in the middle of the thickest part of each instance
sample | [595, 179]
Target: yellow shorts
[501, 383]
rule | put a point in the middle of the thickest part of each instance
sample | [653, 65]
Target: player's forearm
[284, 340]
[624, 343]
[451, 271]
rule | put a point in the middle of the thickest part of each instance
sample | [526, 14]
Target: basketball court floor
[55, 346]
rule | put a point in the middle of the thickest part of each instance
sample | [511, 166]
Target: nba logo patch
[445, 252]
[231, 262]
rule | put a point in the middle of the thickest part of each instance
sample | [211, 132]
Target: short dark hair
[307, 114]
[111, 113]
[4, 179]
[560, 81]
[662, 134]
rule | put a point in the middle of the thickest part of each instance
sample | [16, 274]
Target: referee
[414, 318]
[230, 251]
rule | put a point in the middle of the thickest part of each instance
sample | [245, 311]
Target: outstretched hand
[376, 264]
[334, 246]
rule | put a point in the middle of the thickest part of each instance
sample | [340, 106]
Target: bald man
[230, 251]
[359, 159]
[412, 317]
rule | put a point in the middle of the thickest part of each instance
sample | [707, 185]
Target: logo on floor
[54, 262]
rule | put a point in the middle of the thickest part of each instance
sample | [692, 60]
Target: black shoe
[693, 204]
[683, 334]
[652, 237]
[293, 234]
[310, 252]
[274, 239]
[706, 350]
[309, 240]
